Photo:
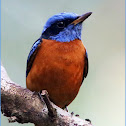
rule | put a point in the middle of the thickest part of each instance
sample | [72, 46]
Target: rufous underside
[58, 68]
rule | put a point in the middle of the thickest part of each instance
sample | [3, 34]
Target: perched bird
[58, 60]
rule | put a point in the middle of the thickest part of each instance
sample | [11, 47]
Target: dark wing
[85, 72]
[32, 55]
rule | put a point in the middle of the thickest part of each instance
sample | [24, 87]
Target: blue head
[64, 27]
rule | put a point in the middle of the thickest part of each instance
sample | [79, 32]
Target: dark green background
[101, 97]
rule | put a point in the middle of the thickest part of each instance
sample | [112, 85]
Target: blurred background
[102, 95]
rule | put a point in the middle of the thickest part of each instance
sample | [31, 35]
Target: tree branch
[23, 106]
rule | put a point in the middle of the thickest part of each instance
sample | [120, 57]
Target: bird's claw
[88, 120]
[72, 113]
[35, 93]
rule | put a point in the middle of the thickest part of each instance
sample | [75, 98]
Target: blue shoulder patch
[32, 55]
[34, 46]
[86, 54]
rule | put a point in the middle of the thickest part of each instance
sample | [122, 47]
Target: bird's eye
[61, 24]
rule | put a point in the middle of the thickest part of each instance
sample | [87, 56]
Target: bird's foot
[44, 97]
[72, 113]
[66, 108]
[35, 93]
[88, 120]
[40, 96]
[77, 115]
[51, 110]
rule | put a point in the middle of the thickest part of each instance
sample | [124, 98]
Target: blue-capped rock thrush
[58, 60]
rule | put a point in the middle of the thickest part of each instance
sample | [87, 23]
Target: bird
[58, 60]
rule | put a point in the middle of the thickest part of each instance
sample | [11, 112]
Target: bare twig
[24, 106]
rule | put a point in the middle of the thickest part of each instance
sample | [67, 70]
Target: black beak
[81, 18]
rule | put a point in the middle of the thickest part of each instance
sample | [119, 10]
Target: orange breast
[58, 68]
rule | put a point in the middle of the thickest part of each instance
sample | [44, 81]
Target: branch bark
[23, 106]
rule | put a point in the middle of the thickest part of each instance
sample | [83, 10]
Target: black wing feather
[85, 72]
